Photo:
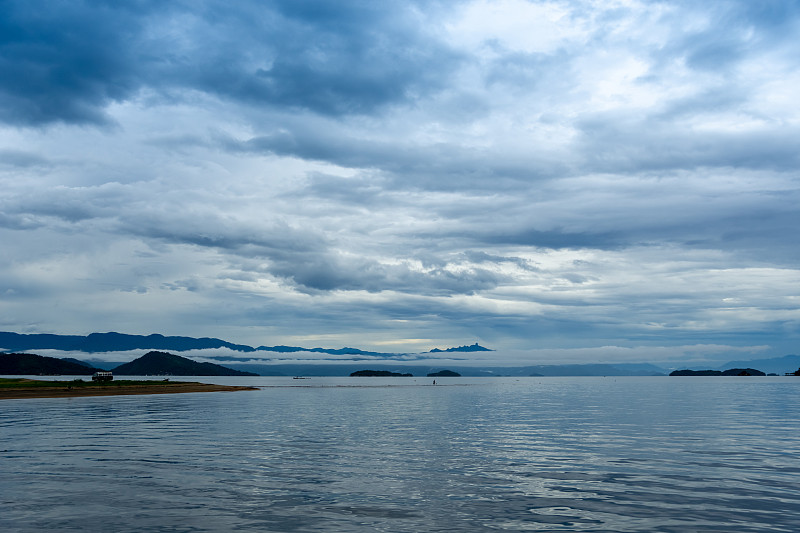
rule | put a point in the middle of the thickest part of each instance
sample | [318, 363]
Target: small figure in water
[434, 382]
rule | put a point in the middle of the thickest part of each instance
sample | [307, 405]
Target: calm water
[534, 454]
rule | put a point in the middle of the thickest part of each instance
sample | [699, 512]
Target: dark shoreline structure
[730, 372]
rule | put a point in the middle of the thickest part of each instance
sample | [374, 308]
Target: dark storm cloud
[735, 29]
[558, 239]
[14, 222]
[326, 146]
[308, 260]
[576, 173]
[406, 164]
[303, 257]
[67, 61]
[67, 205]
[212, 231]
[773, 19]
[613, 142]
[350, 58]
[713, 100]
[364, 190]
[330, 273]
[22, 159]
[483, 257]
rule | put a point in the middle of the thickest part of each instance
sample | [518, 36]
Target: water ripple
[590, 455]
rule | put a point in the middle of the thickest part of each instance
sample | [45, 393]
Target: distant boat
[299, 377]
[102, 376]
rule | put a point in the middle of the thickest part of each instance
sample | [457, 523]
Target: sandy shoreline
[64, 390]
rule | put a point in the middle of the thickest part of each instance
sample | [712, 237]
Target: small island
[729, 372]
[444, 374]
[379, 374]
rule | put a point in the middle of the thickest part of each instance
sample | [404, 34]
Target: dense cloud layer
[560, 175]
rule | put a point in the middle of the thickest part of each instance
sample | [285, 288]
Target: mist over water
[373, 454]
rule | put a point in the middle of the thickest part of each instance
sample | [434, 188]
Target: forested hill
[167, 364]
[38, 365]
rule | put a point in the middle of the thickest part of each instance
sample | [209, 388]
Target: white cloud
[515, 25]
[559, 175]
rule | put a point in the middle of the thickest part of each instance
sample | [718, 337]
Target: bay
[624, 454]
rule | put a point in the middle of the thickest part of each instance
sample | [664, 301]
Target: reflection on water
[549, 454]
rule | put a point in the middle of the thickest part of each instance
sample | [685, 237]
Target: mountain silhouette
[166, 364]
[32, 364]
[121, 342]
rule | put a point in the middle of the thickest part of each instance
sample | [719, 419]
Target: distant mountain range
[166, 364]
[345, 369]
[97, 343]
[473, 348]
[120, 342]
[110, 342]
[776, 365]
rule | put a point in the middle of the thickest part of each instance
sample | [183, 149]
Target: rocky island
[380, 374]
[729, 372]
[444, 374]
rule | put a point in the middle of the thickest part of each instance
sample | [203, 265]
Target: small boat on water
[102, 376]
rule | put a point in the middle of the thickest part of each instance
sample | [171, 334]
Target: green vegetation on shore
[22, 388]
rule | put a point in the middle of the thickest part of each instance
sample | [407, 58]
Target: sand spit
[24, 389]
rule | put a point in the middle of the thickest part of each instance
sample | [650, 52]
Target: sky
[566, 181]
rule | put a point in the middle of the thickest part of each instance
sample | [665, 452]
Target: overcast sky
[578, 180]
